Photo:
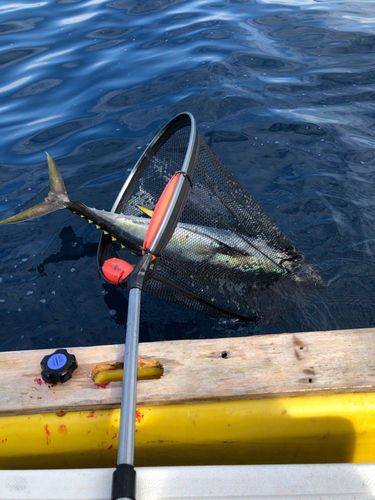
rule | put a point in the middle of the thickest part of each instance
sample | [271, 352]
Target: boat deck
[200, 371]
[273, 399]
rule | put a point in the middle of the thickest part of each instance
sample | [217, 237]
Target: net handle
[162, 224]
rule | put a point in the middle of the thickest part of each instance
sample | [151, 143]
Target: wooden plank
[265, 366]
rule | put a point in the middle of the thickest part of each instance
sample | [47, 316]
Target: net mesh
[226, 257]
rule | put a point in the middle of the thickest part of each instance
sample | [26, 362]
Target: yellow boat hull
[317, 429]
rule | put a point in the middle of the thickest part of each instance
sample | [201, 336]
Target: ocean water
[283, 92]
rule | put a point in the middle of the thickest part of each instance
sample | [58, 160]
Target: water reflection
[17, 26]
[110, 32]
[38, 87]
[20, 6]
[15, 84]
[104, 45]
[283, 93]
[15, 56]
[139, 7]
[54, 135]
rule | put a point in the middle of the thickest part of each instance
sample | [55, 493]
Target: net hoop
[180, 192]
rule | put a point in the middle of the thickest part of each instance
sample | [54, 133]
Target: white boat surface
[265, 482]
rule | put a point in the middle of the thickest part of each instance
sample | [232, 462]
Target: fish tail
[57, 198]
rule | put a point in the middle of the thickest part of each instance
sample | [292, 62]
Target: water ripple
[11, 7]
[283, 92]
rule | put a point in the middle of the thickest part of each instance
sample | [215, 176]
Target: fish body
[217, 247]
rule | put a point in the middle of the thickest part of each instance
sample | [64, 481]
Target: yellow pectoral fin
[147, 211]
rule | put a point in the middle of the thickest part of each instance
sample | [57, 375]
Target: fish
[213, 246]
[251, 272]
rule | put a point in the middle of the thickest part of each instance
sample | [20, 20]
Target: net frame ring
[177, 201]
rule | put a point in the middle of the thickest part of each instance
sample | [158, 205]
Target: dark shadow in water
[115, 301]
[224, 136]
[72, 248]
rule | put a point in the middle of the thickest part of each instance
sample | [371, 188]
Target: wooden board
[265, 366]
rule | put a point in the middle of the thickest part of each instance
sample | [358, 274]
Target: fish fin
[57, 186]
[147, 211]
[57, 198]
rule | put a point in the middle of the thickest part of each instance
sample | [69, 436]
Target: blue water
[283, 92]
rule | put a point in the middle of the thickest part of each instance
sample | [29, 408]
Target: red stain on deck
[62, 429]
[48, 433]
[102, 386]
[92, 414]
[38, 381]
[139, 416]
